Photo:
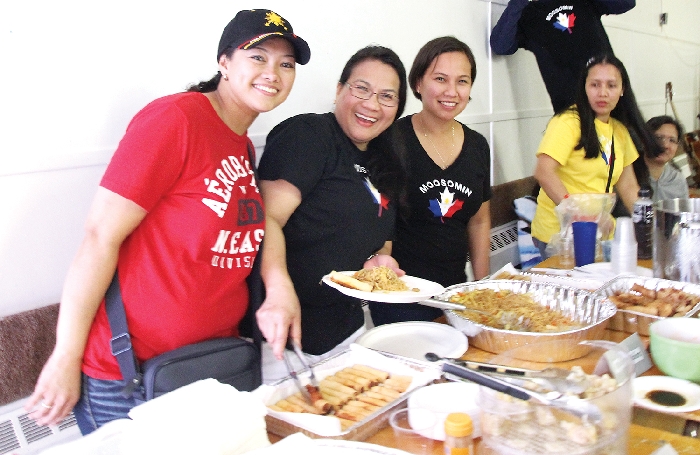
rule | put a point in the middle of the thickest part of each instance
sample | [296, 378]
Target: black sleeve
[296, 151]
[504, 36]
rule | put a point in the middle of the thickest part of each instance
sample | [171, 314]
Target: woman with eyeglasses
[449, 186]
[666, 181]
[331, 188]
[587, 148]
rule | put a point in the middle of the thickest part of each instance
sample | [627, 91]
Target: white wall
[74, 72]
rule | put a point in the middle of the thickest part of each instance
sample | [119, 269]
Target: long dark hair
[626, 111]
[213, 83]
[385, 166]
[432, 50]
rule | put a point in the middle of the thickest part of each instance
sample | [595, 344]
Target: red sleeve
[150, 156]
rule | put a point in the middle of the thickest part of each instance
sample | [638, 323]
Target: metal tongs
[293, 346]
[570, 404]
[558, 379]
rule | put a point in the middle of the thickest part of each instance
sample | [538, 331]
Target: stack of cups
[623, 249]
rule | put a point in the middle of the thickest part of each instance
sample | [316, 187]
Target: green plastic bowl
[675, 347]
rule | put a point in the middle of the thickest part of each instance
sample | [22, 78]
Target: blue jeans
[101, 401]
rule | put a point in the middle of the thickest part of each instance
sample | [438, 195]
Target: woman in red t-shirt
[178, 213]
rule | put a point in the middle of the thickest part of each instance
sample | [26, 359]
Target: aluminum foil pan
[630, 321]
[591, 311]
[373, 422]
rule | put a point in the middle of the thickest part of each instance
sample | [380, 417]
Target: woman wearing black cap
[331, 189]
[179, 215]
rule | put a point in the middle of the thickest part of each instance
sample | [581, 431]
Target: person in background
[665, 181]
[587, 148]
[449, 189]
[331, 186]
[178, 213]
[563, 35]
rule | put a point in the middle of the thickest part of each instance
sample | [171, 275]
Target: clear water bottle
[643, 219]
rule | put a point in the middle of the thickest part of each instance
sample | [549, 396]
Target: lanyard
[612, 165]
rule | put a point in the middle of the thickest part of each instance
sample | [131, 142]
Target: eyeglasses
[363, 92]
[671, 139]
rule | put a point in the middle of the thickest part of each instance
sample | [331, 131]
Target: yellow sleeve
[561, 136]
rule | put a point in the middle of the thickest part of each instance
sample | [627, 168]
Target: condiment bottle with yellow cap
[458, 434]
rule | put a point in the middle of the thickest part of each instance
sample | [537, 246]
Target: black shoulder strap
[611, 166]
[256, 288]
[120, 343]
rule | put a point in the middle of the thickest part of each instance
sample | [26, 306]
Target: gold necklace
[425, 133]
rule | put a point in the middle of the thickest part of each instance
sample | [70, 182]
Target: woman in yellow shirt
[587, 148]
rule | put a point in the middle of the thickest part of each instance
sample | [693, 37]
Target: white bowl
[443, 399]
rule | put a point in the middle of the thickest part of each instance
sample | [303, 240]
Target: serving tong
[293, 346]
[568, 403]
[559, 379]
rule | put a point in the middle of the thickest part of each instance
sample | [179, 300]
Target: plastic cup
[606, 248]
[584, 242]
[409, 426]
[566, 252]
[624, 230]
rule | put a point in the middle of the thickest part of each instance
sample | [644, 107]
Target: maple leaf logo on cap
[274, 19]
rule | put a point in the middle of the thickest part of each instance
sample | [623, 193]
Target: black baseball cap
[251, 27]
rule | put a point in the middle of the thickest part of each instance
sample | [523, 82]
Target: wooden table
[648, 428]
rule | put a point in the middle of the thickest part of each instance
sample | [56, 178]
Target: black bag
[230, 360]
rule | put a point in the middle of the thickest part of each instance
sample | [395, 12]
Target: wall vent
[20, 435]
[504, 245]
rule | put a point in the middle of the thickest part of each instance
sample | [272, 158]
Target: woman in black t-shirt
[449, 184]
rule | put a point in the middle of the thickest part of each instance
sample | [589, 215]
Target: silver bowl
[583, 307]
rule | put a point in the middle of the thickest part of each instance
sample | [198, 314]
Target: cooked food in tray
[377, 279]
[516, 306]
[665, 302]
[350, 394]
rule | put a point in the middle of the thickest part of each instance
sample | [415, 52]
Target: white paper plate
[340, 447]
[603, 268]
[688, 390]
[415, 339]
[443, 399]
[426, 289]
[300, 443]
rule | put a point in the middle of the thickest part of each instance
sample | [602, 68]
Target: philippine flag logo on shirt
[379, 198]
[446, 206]
[565, 22]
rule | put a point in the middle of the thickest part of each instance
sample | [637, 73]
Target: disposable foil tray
[423, 373]
[631, 321]
[592, 312]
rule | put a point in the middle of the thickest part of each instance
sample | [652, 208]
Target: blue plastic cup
[584, 242]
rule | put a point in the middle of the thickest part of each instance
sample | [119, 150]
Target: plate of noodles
[385, 286]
